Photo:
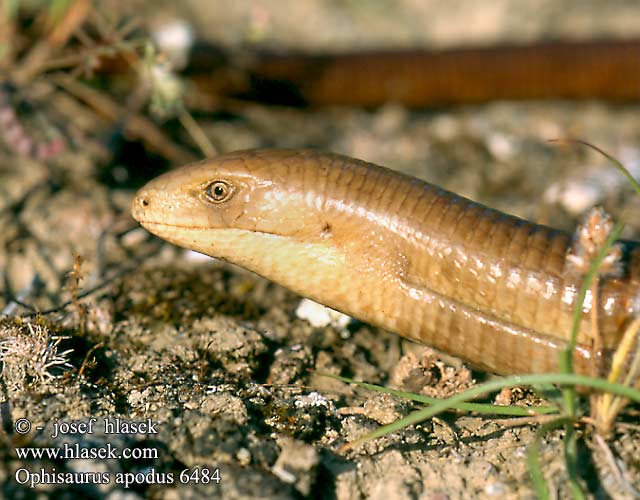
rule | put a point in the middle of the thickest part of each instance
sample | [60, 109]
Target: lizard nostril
[144, 202]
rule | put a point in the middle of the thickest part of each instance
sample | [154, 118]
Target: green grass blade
[616, 163]
[533, 458]
[571, 460]
[549, 392]
[494, 385]
[489, 409]
[566, 356]
[57, 9]
[566, 361]
[11, 8]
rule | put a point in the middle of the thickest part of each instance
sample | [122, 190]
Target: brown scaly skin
[419, 78]
[393, 251]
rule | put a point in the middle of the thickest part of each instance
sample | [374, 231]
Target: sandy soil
[214, 360]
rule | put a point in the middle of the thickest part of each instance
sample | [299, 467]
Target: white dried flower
[32, 357]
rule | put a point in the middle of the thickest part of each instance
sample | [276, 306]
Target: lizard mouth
[174, 233]
[157, 227]
[151, 225]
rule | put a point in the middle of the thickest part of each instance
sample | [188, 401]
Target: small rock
[297, 464]
[320, 316]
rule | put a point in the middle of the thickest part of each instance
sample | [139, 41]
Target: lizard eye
[218, 191]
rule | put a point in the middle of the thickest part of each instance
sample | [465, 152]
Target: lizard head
[217, 206]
